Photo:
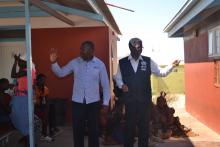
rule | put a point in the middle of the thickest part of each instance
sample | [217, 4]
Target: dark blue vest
[139, 83]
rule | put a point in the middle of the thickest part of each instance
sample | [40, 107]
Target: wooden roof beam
[72, 11]
[52, 12]
[74, 4]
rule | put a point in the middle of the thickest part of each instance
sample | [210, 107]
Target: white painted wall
[7, 50]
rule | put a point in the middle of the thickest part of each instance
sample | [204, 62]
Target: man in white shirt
[89, 72]
[133, 77]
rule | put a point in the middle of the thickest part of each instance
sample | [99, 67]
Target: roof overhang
[192, 12]
[57, 14]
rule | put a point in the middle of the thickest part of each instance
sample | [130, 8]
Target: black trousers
[136, 114]
[42, 112]
[81, 113]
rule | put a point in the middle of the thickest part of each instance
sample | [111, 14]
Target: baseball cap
[134, 41]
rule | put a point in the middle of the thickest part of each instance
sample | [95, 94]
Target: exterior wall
[202, 97]
[113, 52]
[67, 42]
[113, 60]
[201, 94]
[196, 48]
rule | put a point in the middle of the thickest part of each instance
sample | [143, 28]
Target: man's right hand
[124, 88]
[16, 57]
[53, 56]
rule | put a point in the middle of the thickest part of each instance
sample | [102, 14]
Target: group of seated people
[14, 103]
[5, 99]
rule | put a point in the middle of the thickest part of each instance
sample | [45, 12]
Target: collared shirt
[87, 77]
[155, 69]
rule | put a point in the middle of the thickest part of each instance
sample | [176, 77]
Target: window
[214, 42]
[217, 73]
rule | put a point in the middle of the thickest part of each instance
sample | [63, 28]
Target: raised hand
[176, 63]
[16, 57]
[53, 55]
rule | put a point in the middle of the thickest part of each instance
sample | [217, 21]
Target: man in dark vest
[133, 77]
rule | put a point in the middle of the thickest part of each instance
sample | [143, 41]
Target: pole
[29, 73]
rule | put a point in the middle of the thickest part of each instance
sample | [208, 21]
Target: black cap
[134, 41]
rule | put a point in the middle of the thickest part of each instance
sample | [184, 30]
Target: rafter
[78, 12]
[18, 11]
[74, 4]
[52, 12]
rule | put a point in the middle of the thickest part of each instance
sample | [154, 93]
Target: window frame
[217, 73]
[214, 42]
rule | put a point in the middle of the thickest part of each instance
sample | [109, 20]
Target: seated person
[21, 75]
[5, 99]
[19, 103]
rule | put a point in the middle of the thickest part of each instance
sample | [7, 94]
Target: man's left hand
[104, 110]
[176, 63]
[103, 116]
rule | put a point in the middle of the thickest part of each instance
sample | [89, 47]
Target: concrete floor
[206, 138]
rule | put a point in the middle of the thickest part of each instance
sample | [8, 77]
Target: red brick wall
[202, 97]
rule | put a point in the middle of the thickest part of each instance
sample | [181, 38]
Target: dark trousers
[52, 118]
[136, 114]
[82, 112]
[42, 112]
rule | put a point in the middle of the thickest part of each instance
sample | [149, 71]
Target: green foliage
[173, 83]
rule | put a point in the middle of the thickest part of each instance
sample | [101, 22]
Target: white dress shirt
[155, 69]
[87, 77]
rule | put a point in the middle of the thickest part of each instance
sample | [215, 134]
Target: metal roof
[192, 13]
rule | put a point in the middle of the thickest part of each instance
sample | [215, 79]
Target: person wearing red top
[19, 115]
[21, 75]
